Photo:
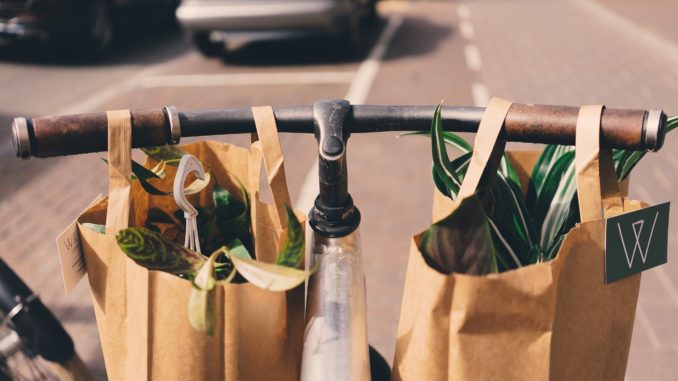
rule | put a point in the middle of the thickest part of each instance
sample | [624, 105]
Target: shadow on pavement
[417, 36]
[142, 44]
[315, 50]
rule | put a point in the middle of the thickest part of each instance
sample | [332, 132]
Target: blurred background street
[622, 53]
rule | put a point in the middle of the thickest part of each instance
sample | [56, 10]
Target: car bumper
[260, 16]
[13, 31]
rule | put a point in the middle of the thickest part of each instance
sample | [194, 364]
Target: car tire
[351, 37]
[372, 16]
[205, 45]
[99, 30]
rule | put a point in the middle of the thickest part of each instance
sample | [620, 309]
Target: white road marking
[367, 72]
[632, 30]
[648, 329]
[472, 56]
[357, 94]
[661, 178]
[643, 194]
[93, 102]
[480, 94]
[466, 29]
[247, 79]
[463, 12]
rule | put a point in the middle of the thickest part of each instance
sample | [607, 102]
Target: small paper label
[71, 256]
[636, 241]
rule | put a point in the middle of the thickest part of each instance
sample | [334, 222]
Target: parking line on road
[247, 79]
[472, 55]
[357, 94]
[368, 69]
[648, 329]
[466, 29]
[463, 12]
[480, 95]
[661, 178]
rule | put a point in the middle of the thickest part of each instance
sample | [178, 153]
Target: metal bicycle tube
[74, 134]
[335, 339]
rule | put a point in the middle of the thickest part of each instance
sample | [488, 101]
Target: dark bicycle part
[378, 366]
[74, 134]
[35, 324]
[333, 213]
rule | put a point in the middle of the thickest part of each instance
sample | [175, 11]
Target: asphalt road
[619, 52]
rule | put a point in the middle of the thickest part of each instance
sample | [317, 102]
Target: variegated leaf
[150, 250]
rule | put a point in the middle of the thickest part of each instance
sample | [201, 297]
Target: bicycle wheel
[17, 361]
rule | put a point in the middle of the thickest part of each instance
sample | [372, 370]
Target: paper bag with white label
[554, 320]
[142, 315]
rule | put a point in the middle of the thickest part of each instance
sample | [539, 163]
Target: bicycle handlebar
[75, 134]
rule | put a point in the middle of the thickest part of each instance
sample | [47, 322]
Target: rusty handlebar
[74, 134]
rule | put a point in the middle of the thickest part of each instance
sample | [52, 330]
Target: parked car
[210, 23]
[86, 25]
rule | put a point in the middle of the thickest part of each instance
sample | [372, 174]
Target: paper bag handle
[488, 147]
[597, 185]
[119, 170]
[269, 147]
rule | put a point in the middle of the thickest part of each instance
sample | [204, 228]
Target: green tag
[636, 241]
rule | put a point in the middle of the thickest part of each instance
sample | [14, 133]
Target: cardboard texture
[555, 320]
[142, 315]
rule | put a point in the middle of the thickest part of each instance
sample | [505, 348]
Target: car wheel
[99, 31]
[206, 46]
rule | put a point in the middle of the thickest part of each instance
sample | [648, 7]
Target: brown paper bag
[142, 315]
[556, 320]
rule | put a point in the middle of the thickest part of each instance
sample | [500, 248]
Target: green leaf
[438, 182]
[441, 161]
[101, 229]
[508, 172]
[232, 215]
[268, 276]
[450, 138]
[554, 202]
[165, 153]
[547, 159]
[507, 258]
[141, 173]
[461, 242]
[202, 300]
[511, 223]
[150, 250]
[292, 252]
